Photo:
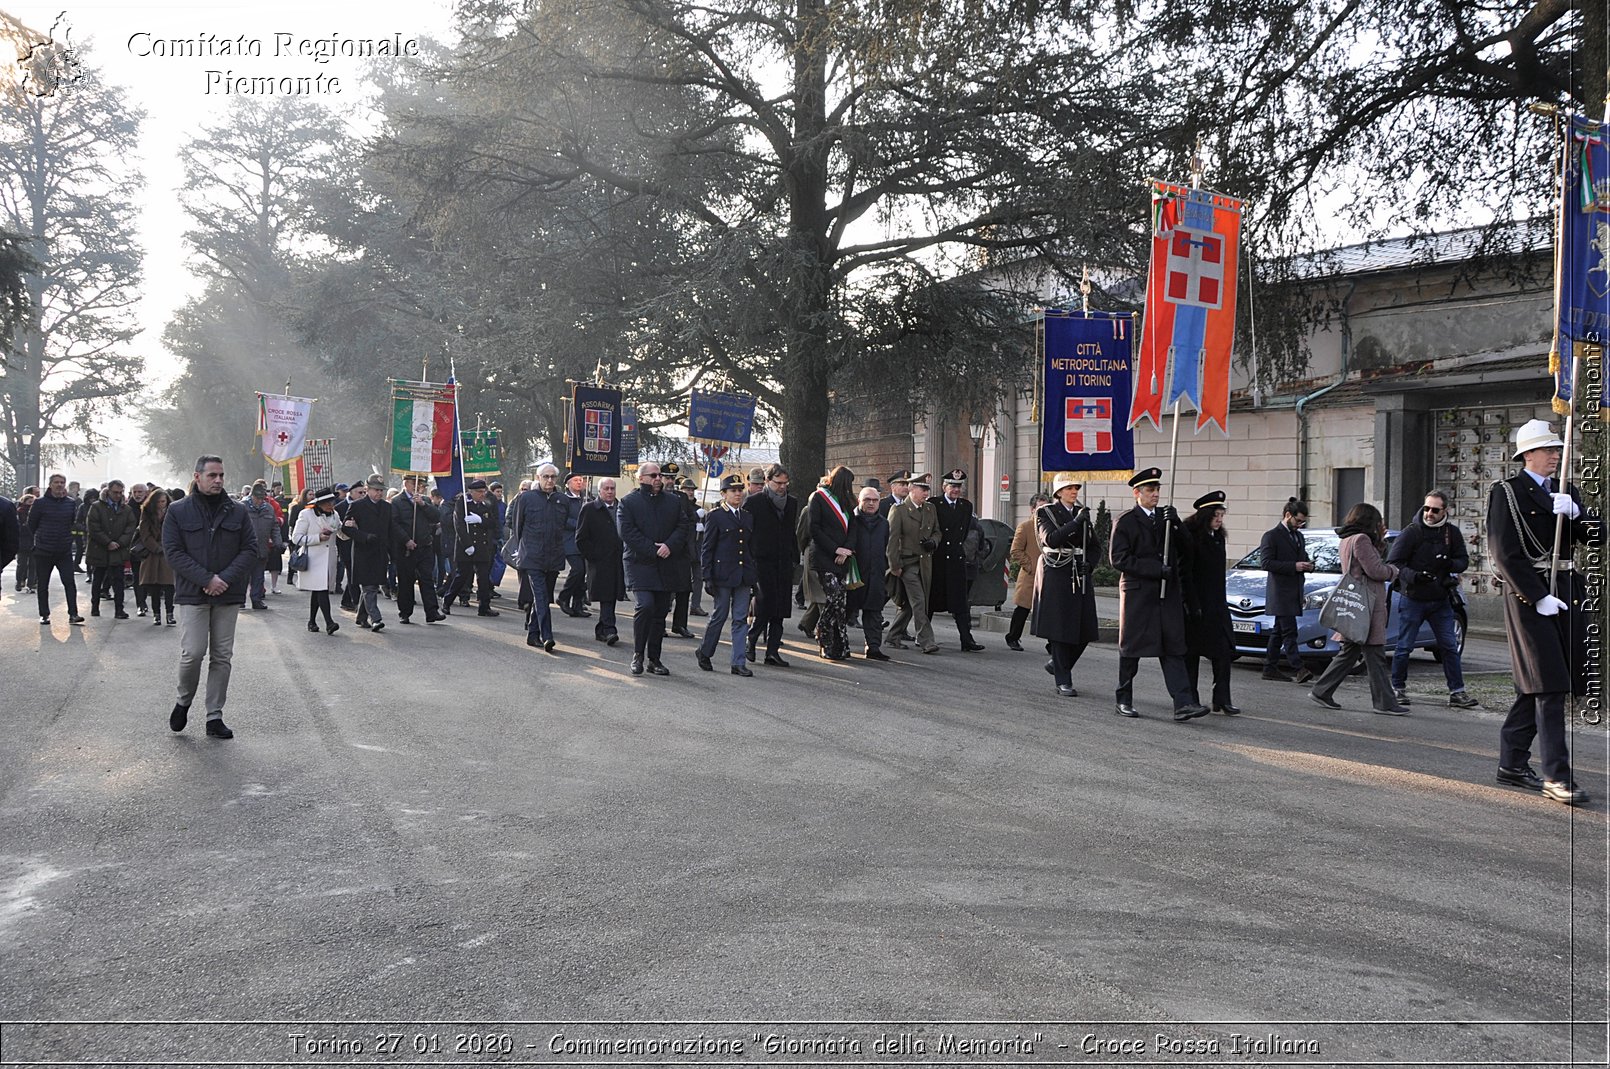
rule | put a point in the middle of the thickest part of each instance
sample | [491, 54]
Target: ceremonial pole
[1174, 369]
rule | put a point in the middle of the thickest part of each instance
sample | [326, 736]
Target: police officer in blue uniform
[730, 573]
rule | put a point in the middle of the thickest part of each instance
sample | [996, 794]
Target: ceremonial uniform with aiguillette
[475, 543]
[1549, 654]
[1064, 611]
[950, 587]
[1151, 612]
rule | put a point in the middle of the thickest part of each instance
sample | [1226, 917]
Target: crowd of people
[843, 555]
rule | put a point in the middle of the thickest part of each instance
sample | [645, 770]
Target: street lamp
[977, 429]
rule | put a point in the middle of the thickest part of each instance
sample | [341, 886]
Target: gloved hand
[1551, 605]
[469, 551]
[1169, 513]
[1564, 506]
[1168, 572]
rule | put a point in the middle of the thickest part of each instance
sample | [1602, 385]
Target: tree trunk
[807, 366]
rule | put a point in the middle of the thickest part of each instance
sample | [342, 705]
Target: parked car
[1244, 588]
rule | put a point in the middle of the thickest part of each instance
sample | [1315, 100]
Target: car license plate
[1250, 627]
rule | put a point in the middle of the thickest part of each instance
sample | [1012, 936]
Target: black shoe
[1329, 703]
[171, 620]
[438, 618]
[1303, 676]
[44, 621]
[141, 611]
[313, 627]
[1462, 700]
[972, 647]
[876, 655]
[1392, 710]
[447, 609]
[570, 612]
[741, 670]
[179, 717]
[75, 619]
[1568, 793]
[259, 604]
[95, 610]
[1401, 696]
[612, 639]
[121, 615]
[637, 665]
[157, 620]
[655, 668]
[549, 645]
[1014, 644]
[405, 620]
[1066, 691]
[704, 662]
[682, 632]
[584, 611]
[331, 628]
[776, 661]
[533, 641]
[1276, 675]
[378, 626]
[1520, 777]
[697, 612]
[1125, 710]
[1227, 710]
[750, 656]
[1050, 668]
[217, 729]
[487, 612]
[1190, 712]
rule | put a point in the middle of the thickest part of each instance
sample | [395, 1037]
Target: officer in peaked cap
[951, 581]
[1209, 631]
[1548, 638]
[730, 573]
[899, 487]
[1151, 596]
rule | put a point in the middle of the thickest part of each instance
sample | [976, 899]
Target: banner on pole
[1088, 377]
[628, 435]
[282, 425]
[720, 417]
[1584, 257]
[480, 453]
[595, 431]
[318, 464]
[1189, 332]
[422, 424]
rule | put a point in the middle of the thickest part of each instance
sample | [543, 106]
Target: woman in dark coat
[832, 549]
[1208, 631]
[866, 602]
[1064, 612]
[776, 553]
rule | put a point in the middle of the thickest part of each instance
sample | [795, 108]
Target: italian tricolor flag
[422, 428]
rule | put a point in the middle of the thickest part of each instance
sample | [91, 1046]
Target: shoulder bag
[1350, 606]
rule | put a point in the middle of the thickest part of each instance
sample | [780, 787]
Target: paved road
[440, 824]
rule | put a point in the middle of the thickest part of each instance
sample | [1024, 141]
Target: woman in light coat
[315, 531]
[1363, 536]
[1025, 557]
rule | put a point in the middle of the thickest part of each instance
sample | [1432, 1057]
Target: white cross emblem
[1195, 267]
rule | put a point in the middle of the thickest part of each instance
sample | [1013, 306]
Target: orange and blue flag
[1188, 334]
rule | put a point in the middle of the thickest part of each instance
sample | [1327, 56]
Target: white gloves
[469, 551]
[472, 517]
[1551, 605]
[1564, 506]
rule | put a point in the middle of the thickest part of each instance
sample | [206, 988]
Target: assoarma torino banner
[421, 428]
[595, 432]
[1088, 382]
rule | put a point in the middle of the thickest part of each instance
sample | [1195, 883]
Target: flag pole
[1168, 529]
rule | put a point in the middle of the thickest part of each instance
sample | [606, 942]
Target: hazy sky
[126, 42]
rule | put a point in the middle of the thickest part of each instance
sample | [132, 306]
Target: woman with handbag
[155, 574]
[832, 558]
[1363, 535]
[313, 554]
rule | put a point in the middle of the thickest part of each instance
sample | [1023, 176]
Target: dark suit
[598, 540]
[776, 553]
[950, 564]
[1151, 621]
[414, 519]
[1549, 654]
[728, 561]
[1281, 550]
[646, 520]
[872, 558]
[371, 553]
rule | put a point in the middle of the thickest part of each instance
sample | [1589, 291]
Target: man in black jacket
[1430, 555]
[1151, 597]
[1284, 553]
[598, 539]
[950, 590]
[655, 531]
[52, 522]
[368, 526]
[413, 547]
[776, 515]
[212, 550]
[1548, 637]
[870, 530]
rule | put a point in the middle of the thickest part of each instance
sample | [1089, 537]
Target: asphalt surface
[440, 825]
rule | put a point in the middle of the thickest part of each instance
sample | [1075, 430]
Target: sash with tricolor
[422, 425]
[1188, 333]
[1584, 298]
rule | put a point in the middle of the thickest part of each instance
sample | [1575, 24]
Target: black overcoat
[1208, 630]
[415, 519]
[871, 545]
[1282, 549]
[1064, 603]
[647, 520]
[371, 541]
[776, 554]
[949, 592]
[1149, 623]
[828, 536]
[598, 539]
[1542, 649]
